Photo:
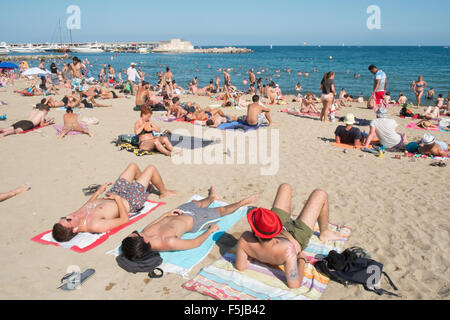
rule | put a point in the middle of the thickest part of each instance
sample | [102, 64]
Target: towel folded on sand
[181, 262]
[85, 241]
[259, 281]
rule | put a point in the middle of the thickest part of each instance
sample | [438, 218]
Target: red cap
[265, 223]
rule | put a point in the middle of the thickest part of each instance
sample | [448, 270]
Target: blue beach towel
[238, 125]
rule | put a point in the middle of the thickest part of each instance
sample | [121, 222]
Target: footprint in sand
[109, 286]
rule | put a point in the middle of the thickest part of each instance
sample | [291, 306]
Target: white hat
[133, 64]
[349, 118]
[428, 139]
[381, 113]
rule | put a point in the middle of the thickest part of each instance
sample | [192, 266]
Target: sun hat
[382, 113]
[132, 64]
[265, 223]
[428, 139]
[349, 118]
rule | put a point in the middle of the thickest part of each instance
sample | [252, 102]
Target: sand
[398, 209]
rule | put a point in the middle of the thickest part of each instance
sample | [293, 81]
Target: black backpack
[354, 266]
[149, 264]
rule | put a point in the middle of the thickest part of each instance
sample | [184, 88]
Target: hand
[174, 213]
[112, 196]
[103, 187]
[213, 228]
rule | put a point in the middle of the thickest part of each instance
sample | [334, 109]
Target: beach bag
[354, 266]
[149, 264]
[405, 112]
[132, 139]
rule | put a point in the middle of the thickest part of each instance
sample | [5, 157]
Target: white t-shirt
[380, 75]
[385, 129]
[132, 74]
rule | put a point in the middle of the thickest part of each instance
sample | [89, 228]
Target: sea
[281, 64]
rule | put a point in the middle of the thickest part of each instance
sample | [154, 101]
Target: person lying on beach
[217, 119]
[127, 195]
[256, 113]
[91, 103]
[431, 113]
[109, 94]
[348, 134]
[385, 130]
[201, 114]
[71, 124]
[31, 91]
[175, 109]
[148, 134]
[36, 118]
[8, 195]
[164, 234]
[432, 147]
[276, 239]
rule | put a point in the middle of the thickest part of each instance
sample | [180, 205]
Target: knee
[285, 187]
[150, 168]
[320, 193]
[132, 165]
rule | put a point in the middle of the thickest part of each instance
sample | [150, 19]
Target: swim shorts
[134, 193]
[297, 228]
[261, 118]
[203, 217]
[24, 125]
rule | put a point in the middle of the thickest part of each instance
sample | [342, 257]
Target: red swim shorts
[379, 95]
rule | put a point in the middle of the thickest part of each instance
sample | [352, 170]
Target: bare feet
[329, 235]
[23, 188]
[212, 194]
[168, 194]
[250, 200]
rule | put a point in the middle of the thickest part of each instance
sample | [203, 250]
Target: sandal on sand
[438, 164]
[91, 189]
[74, 280]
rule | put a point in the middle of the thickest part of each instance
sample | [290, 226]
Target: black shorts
[24, 125]
[87, 104]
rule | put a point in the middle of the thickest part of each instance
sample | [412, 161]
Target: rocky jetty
[35, 57]
[223, 50]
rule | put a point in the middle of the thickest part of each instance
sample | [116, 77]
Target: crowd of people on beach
[274, 237]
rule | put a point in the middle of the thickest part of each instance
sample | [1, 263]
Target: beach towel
[85, 241]
[349, 146]
[260, 282]
[181, 262]
[414, 125]
[312, 115]
[59, 128]
[35, 128]
[239, 125]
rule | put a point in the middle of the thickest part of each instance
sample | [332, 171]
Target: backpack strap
[152, 273]
[390, 281]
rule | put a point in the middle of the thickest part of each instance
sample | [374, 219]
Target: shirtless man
[128, 195]
[71, 124]
[202, 114]
[256, 113]
[226, 78]
[217, 83]
[36, 118]
[277, 240]
[175, 108]
[143, 96]
[164, 234]
[251, 78]
[430, 146]
[75, 69]
[217, 119]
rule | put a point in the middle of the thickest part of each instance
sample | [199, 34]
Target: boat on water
[143, 50]
[90, 48]
[24, 49]
[4, 50]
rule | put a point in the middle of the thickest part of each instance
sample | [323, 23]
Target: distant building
[174, 45]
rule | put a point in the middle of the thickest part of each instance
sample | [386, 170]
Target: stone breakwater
[35, 57]
[226, 50]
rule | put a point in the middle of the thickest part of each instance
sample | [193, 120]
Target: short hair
[371, 67]
[61, 233]
[165, 97]
[255, 98]
[44, 107]
[134, 248]
[175, 99]
[209, 122]
[145, 110]
[228, 104]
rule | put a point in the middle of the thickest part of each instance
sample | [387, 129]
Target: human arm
[294, 267]
[176, 244]
[99, 191]
[372, 134]
[104, 225]
[242, 258]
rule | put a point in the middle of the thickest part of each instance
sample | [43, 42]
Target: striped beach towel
[262, 282]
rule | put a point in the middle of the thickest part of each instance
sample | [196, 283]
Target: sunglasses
[137, 233]
[67, 219]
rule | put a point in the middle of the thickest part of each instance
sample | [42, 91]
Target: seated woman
[348, 134]
[71, 124]
[146, 131]
[309, 104]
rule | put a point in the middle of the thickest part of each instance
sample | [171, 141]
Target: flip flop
[439, 164]
[90, 189]
[3, 117]
[74, 280]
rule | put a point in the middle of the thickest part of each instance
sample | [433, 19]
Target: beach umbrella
[8, 65]
[35, 72]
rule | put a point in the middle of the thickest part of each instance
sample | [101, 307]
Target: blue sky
[231, 22]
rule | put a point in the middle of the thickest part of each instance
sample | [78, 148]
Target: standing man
[379, 85]
[132, 74]
[226, 78]
[75, 69]
[251, 78]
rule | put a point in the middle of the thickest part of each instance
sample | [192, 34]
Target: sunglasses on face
[136, 233]
[67, 219]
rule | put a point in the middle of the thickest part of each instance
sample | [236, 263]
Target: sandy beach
[398, 209]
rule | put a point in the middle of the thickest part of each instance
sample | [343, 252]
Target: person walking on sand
[328, 93]
[71, 124]
[379, 86]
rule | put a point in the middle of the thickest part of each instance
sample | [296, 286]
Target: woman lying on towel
[148, 133]
[31, 91]
[71, 124]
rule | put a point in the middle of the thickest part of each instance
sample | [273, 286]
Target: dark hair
[134, 248]
[61, 233]
[44, 107]
[440, 95]
[175, 99]
[255, 98]
[166, 97]
[69, 110]
[209, 122]
[167, 69]
[228, 104]
[371, 67]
